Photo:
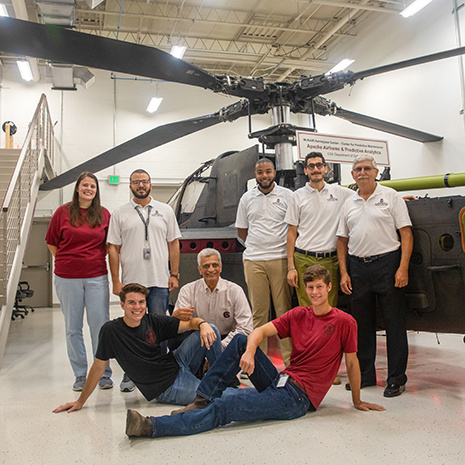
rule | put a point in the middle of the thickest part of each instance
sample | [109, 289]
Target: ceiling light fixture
[178, 51]
[341, 66]
[3, 10]
[414, 8]
[25, 70]
[153, 105]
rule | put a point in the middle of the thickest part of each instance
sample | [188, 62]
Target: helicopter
[437, 260]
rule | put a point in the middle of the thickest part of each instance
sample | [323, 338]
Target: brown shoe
[198, 403]
[337, 381]
[137, 425]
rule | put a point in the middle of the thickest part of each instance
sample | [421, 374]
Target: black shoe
[394, 390]
[363, 385]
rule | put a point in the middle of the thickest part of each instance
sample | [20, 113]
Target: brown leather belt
[297, 384]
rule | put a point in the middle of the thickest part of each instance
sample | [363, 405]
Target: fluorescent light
[178, 51]
[3, 10]
[414, 8]
[341, 66]
[154, 104]
[25, 70]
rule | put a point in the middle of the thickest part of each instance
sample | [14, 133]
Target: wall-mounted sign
[339, 149]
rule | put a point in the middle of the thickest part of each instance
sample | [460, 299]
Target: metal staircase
[21, 173]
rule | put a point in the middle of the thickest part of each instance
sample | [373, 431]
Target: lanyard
[146, 222]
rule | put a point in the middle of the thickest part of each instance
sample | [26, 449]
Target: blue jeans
[74, 295]
[157, 300]
[266, 402]
[190, 356]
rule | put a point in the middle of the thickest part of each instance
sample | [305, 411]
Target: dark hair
[94, 212]
[139, 171]
[264, 160]
[133, 287]
[315, 272]
[314, 155]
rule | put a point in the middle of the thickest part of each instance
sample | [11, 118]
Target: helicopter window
[191, 196]
[251, 183]
[446, 242]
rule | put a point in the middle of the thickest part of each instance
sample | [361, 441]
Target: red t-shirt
[81, 250]
[318, 343]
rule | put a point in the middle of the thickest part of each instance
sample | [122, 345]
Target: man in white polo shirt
[215, 299]
[313, 216]
[143, 236]
[374, 270]
[260, 224]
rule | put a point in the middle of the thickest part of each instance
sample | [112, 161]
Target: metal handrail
[39, 143]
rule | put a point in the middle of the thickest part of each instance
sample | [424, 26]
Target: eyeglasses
[145, 182]
[312, 166]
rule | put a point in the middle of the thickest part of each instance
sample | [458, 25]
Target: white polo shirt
[127, 230]
[316, 215]
[226, 307]
[371, 225]
[263, 216]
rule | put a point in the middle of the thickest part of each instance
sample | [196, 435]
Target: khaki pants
[302, 262]
[263, 277]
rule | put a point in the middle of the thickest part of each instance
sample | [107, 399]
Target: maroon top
[81, 250]
[318, 343]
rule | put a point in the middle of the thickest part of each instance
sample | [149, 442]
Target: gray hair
[207, 253]
[360, 158]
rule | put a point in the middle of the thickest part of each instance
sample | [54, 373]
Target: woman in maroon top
[77, 238]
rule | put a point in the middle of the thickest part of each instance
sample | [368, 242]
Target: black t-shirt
[137, 350]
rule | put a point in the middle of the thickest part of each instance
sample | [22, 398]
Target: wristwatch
[177, 276]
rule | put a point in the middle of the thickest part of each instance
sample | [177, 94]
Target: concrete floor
[426, 425]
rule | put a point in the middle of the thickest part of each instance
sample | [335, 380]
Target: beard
[267, 185]
[140, 195]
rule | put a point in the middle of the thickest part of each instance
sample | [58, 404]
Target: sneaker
[126, 384]
[79, 383]
[105, 383]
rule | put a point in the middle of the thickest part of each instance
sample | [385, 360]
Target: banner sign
[339, 149]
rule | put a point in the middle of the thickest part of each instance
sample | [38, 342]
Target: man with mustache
[374, 270]
[313, 216]
[260, 224]
[143, 237]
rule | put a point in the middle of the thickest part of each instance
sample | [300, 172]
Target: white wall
[426, 97]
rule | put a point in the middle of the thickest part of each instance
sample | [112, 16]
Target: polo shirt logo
[278, 203]
[331, 198]
[157, 213]
[381, 203]
[226, 314]
[150, 337]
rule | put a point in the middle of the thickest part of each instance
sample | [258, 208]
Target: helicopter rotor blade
[385, 126]
[149, 140]
[407, 63]
[56, 43]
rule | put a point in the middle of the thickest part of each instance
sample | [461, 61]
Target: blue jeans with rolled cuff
[265, 402]
[190, 356]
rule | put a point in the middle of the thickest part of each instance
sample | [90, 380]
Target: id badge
[282, 380]
[146, 253]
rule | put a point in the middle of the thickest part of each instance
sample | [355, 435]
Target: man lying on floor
[320, 335]
[134, 341]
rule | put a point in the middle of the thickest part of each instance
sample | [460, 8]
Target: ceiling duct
[61, 12]
[65, 77]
